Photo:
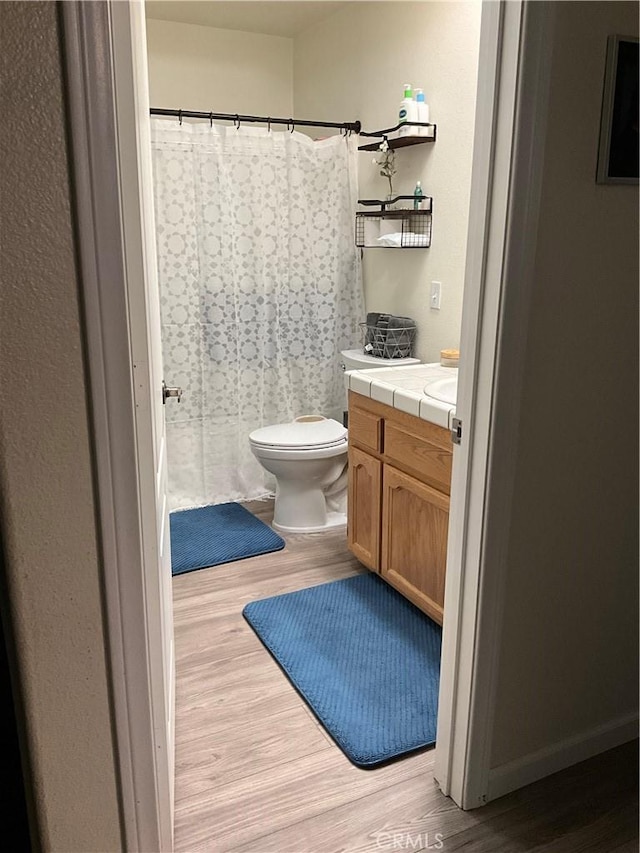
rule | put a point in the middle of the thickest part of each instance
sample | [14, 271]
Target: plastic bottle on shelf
[417, 196]
[422, 112]
[407, 112]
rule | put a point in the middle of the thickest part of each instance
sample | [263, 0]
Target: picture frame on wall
[618, 149]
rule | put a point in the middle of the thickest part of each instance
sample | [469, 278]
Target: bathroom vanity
[400, 480]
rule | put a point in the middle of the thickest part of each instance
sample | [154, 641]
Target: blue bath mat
[211, 535]
[363, 657]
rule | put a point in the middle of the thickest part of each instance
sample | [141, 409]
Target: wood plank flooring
[255, 772]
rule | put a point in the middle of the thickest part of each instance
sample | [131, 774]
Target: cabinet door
[415, 520]
[363, 511]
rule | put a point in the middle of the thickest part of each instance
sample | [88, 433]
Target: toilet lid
[301, 435]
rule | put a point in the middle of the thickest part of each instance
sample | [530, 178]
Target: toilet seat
[264, 451]
[300, 435]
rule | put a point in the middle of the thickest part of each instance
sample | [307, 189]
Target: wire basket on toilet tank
[386, 336]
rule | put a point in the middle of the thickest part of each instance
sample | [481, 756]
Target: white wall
[46, 480]
[353, 65]
[204, 68]
[569, 648]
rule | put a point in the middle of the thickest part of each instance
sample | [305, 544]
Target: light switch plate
[436, 288]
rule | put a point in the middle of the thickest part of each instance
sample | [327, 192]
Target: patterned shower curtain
[260, 290]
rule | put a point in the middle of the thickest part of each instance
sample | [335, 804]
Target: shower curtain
[260, 289]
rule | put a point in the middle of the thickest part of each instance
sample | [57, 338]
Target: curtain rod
[291, 123]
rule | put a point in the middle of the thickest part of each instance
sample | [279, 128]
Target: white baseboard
[536, 765]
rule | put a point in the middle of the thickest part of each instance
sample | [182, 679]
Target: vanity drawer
[366, 428]
[427, 456]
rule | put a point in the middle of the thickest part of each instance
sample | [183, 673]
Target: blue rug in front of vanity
[221, 533]
[363, 657]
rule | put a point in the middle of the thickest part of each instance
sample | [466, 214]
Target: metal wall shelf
[398, 141]
[390, 205]
[392, 227]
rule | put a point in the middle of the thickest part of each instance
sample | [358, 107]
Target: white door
[134, 143]
[106, 90]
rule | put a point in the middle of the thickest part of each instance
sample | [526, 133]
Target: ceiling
[284, 18]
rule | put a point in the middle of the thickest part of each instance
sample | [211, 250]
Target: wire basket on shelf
[392, 227]
[389, 338]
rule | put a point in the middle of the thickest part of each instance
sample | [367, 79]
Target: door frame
[513, 84]
[99, 50]
[511, 115]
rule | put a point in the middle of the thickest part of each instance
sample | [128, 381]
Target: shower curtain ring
[293, 127]
[180, 117]
[236, 121]
[269, 125]
[211, 120]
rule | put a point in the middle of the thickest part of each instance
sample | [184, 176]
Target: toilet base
[335, 520]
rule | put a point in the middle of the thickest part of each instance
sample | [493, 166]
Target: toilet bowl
[308, 458]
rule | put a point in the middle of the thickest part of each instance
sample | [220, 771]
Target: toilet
[308, 458]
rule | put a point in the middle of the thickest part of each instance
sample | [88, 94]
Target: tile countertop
[403, 388]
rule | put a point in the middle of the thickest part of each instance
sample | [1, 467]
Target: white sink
[445, 390]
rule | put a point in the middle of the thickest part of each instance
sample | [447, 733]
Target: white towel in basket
[398, 240]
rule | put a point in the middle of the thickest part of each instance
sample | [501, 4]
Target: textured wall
[46, 492]
[204, 68]
[569, 650]
[353, 65]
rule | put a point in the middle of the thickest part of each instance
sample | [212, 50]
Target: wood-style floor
[255, 772]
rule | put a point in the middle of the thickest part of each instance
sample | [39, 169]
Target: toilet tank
[355, 359]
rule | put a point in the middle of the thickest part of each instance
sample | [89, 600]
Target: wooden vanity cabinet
[399, 484]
